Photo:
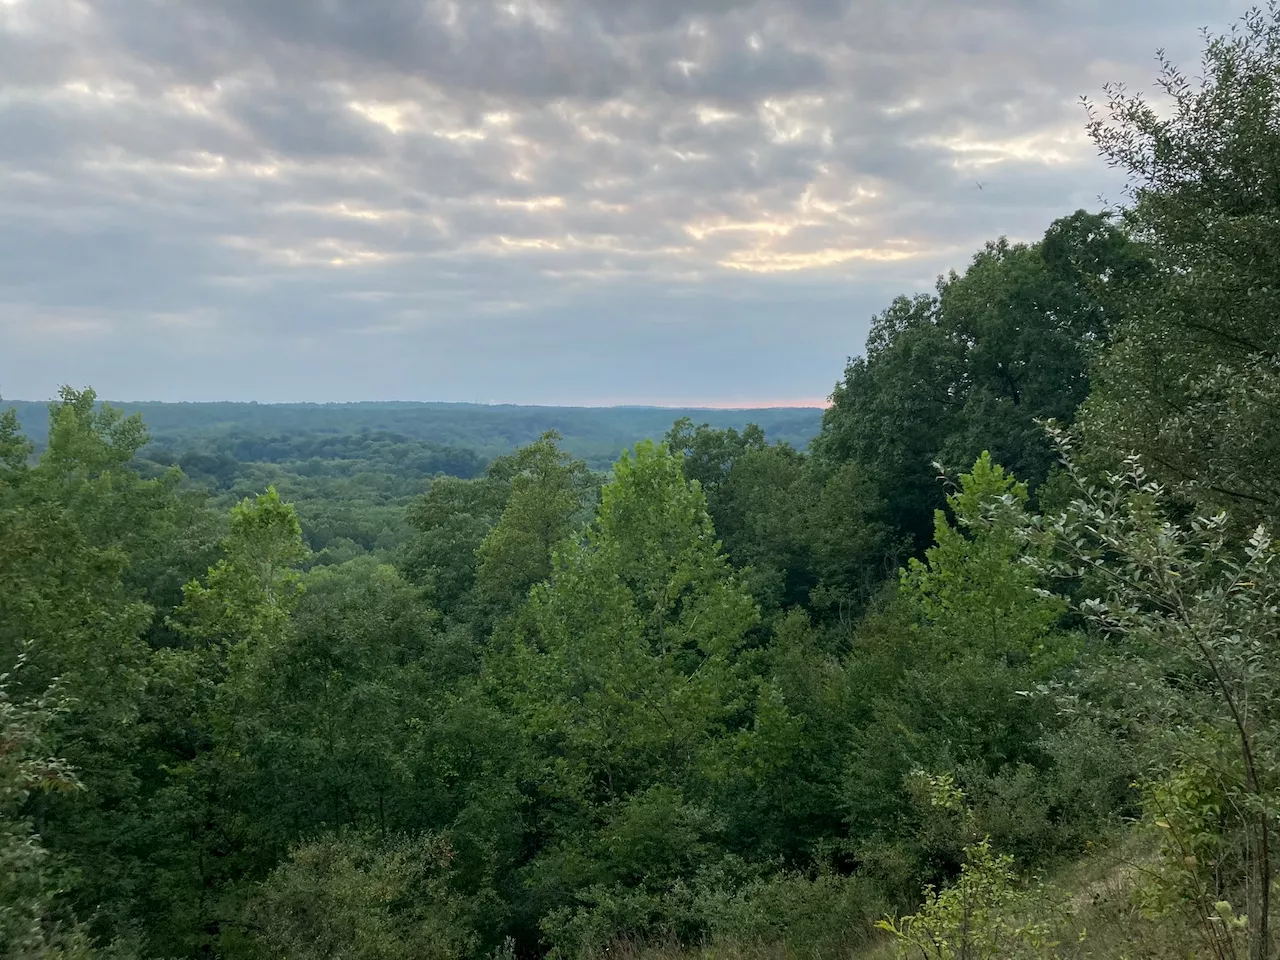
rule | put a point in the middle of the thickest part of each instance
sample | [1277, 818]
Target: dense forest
[352, 470]
[987, 669]
[286, 431]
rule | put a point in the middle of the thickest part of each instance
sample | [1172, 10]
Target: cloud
[534, 200]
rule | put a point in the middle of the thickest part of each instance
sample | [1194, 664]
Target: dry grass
[1102, 890]
[882, 949]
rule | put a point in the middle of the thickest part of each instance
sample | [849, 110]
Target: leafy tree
[625, 676]
[972, 593]
[358, 898]
[1202, 610]
[987, 911]
[451, 521]
[197, 698]
[640, 624]
[854, 545]
[974, 365]
[73, 525]
[943, 668]
[1192, 381]
[29, 926]
[249, 594]
[799, 535]
[709, 454]
[549, 492]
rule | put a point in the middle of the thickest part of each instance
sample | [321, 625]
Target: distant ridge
[597, 434]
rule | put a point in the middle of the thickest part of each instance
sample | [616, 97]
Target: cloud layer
[557, 201]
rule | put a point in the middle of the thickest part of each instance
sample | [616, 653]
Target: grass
[1104, 921]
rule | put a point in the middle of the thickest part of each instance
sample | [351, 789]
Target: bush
[354, 898]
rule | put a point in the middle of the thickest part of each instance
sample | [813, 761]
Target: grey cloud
[307, 124]
[474, 46]
[585, 200]
[735, 73]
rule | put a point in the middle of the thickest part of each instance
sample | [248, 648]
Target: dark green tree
[1192, 381]
[973, 366]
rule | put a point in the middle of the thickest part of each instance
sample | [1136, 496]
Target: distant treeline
[595, 434]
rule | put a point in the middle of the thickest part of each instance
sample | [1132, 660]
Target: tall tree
[550, 494]
[28, 923]
[799, 533]
[197, 700]
[973, 366]
[626, 678]
[74, 529]
[1193, 379]
[942, 668]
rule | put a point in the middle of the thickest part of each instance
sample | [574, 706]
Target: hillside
[596, 434]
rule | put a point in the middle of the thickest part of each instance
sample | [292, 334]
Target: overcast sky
[541, 201]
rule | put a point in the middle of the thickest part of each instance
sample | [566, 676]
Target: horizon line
[726, 406]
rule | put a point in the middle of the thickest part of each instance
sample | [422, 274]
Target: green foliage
[799, 534]
[972, 367]
[627, 676]
[88, 559]
[248, 596]
[450, 523]
[1194, 854]
[944, 671]
[1204, 611]
[972, 594]
[1192, 382]
[358, 898]
[639, 628]
[28, 925]
[987, 911]
[818, 917]
[549, 492]
[978, 916]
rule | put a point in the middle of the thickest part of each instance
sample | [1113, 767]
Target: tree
[638, 627]
[326, 715]
[28, 924]
[249, 594]
[355, 897]
[198, 700]
[973, 366]
[1191, 382]
[549, 493]
[72, 525]
[798, 534]
[625, 675]
[709, 454]
[1202, 611]
[973, 595]
[450, 523]
[987, 911]
[942, 670]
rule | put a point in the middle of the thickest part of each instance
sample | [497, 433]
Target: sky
[671, 202]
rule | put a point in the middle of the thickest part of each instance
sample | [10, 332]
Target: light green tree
[548, 498]
[628, 666]
[626, 679]
[201, 690]
[355, 897]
